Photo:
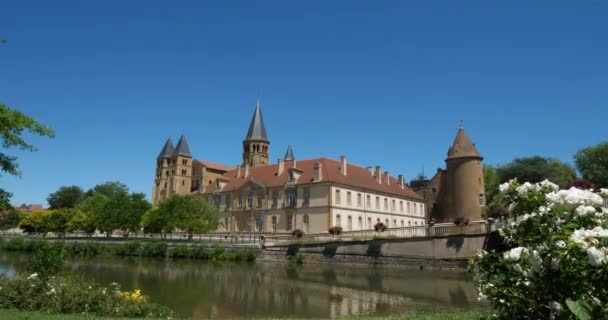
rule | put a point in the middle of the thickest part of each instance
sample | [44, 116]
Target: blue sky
[382, 82]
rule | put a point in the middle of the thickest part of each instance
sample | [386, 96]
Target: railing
[440, 229]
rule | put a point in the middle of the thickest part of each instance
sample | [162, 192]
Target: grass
[26, 315]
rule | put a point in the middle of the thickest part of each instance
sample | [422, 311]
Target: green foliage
[69, 295]
[10, 219]
[57, 220]
[158, 221]
[154, 249]
[128, 248]
[592, 163]
[491, 181]
[65, 197]
[84, 248]
[536, 169]
[13, 123]
[82, 221]
[47, 260]
[109, 189]
[187, 213]
[34, 221]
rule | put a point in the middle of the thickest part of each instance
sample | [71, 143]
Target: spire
[289, 154]
[257, 131]
[462, 147]
[167, 150]
[182, 148]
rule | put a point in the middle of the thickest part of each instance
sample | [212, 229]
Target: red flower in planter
[380, 227]
[335, 230]
[461, 221]
[297, 233]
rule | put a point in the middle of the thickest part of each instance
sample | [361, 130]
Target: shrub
[380, 227]
[14, 244]
[47, 260]
[557, 264]
[461, 221]
[181, 251]
[297, 233]
[335, 230]
[85, 248]
[199, 253]
[154, 249]
[128, 248]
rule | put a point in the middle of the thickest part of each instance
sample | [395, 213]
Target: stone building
[457, 190]
[309, 194]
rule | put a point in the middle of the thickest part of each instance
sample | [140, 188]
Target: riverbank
[24, 315]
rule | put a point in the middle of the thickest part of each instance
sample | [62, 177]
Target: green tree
[537, 169]
[81, 221]
[93, 207]
[138, 206]
[57, 220]
[10, 219]
[112, 216]
[34, 221]
[592, 163]
[187, 213]
[158, 220]
[65, 197]
[491, 182]
[13, 123]
[109, 189]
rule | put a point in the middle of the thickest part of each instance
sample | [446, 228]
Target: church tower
[159, 191]
[180, 179]
[256, 144]
[465, 194]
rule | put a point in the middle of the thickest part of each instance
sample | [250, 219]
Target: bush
[199, 253]
[297, 233]
[47, 260]
[15, 244]
[380, 227]
[85, 248]
[181, 251]
[72, 295]
[129, 248]
[557, 264]
[461, 221]
[335, 231]
[154, 249]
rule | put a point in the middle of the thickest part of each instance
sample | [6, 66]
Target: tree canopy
[65, 197]
[536, 169]
[109, 189]
[13, 124]
[592, 163]
[190, 214]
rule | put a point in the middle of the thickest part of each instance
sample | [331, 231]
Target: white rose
[514, 254]
[596, 257]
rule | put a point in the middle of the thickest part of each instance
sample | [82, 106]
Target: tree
[92, 207]
[10, 219]
[491, 182]
[112, 216]
[82, 221]
[65, 197]
[187, 213]
[13, 123]
[57, 220]
[109, 189]
[138, 206]
[536, 169]
[592, 163]
[34, 221]
[156, 220]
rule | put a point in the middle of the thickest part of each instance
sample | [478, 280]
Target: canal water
[201, 289]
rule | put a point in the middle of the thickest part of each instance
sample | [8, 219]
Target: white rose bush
[556, 264]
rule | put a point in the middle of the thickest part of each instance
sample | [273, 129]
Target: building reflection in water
[200, 289]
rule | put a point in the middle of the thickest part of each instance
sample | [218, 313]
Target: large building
[308, 194]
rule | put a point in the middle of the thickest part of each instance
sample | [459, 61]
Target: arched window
[349, 225]
[369, 223]
[338, 220]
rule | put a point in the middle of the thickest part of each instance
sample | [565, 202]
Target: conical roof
[167, 150]
[182, 148]
[289, 154]
[257, 131]
[462, 147]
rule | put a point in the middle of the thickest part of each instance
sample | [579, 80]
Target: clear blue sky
[382, 82]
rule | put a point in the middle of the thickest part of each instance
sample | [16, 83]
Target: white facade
[360, 210]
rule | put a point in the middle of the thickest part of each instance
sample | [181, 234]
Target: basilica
[315, 194]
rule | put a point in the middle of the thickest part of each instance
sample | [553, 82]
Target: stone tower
[256, 144]
[464, 184]
[161, 185]
[180, 179]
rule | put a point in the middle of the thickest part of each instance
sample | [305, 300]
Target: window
[337, 201]
[275, 198]
[349, 225]
[386, 222]
[415, 210]
[305, 221]
[394, 223]
[306, 197]
[369, 201]
[402, 224]
[409, 209]
[240, 201]
[348, 199]
[183, 182]
[409, 223]
[228, 200]
[360, 223]
[393, 205]
[289, 222]
[184, 162]
[358, 200]
[377, 203]
[421, 210]
[165, 185]
[292, 197]
[274, 223]
[481, 200]
[385, 204]
[260, 199]
[416, 222]
[184, 172]
[369, 223]
[217, 200]
[338, 220]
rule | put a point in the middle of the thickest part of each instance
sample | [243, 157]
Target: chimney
[387, 178]
[377, 174]
[238, 171]
[281, 167]
[246, 170]
[294, 163]
[371, 170]
[343, 165]
[401, 181]
[318, 172]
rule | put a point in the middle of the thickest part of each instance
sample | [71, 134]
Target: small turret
[289, 154]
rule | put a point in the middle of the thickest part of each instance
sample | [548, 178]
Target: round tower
[256, 145]
[464, 180]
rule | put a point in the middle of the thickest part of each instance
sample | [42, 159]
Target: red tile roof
[357, 176]
[214, 166]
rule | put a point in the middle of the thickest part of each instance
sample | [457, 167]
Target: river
[201, 289]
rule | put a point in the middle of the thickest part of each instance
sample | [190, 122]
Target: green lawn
[24, 315]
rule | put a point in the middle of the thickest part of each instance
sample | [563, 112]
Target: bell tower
[256, 144]
[163, 162]
[180, 180]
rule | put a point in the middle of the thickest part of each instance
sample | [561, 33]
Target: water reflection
[199, 289]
